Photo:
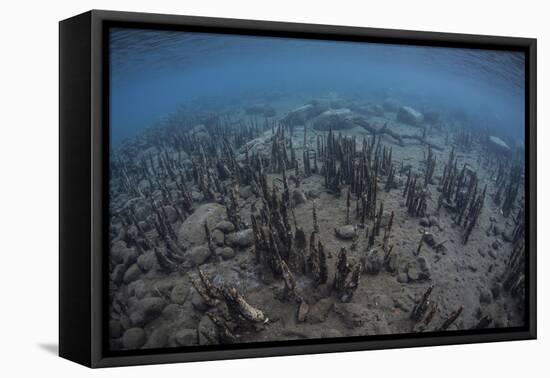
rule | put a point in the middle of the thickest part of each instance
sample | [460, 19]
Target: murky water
[154, 72]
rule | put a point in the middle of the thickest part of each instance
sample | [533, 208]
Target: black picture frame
[83, 196]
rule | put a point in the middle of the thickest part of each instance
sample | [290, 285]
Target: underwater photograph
[268, 189]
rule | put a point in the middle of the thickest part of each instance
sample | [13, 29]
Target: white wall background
[29, 186]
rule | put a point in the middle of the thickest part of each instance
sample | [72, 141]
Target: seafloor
[313, 219]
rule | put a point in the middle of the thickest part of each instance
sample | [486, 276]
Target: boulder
[157, 339]
[134, 338]
[218, 237]
[345, 232]
[241, 239]
[117, 276]
[147, 309]
[301, 115]
[132, 274]
[179, 293]
[173, 312]
[191, 232]
[198, 255]
[147, 261]
[418, 270]
[226, 253]
[409, 116]
[185, 337]
[298, 197]
[375, 110]
[137, 289]
[373, 261]
[334, 119]
[123, 255]
[225, 226]
[171, 213]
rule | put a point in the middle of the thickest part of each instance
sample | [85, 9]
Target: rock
[402, 277]
[132, 274]
[390, 105]
[492, 254]
[373, 261]
[198, 255]
[172, 312]
[226, 253]
[134, 338]
[171, 213]
[424, 222]
[495, 245]
[196, 196]
[142, 212]
[218, 237]
[225, 226]
[299, 116]
[318, 312]
[410, 116]
[137, 289]
[485, 296]
[298, 197]
[179, 293]
[497, 230]
[418, 270]
[144, 186]
[122, 255]
[191, 232]
[413, 273]
[145, 226]
[158, 338]
[149, 308]
[125, 322]
[186, 337]
[335, 119]
[345, 232]
[117, 276]
[241, 239]
[481, 252]
[434, 222]
[207, 331]
[115, 329]
[376, 110]
[313, 194]
[147, 261]
[429, 239]
[246, 192]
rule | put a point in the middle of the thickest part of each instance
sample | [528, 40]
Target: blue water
[155, 72]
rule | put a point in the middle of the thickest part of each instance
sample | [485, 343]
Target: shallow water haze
[153, 72]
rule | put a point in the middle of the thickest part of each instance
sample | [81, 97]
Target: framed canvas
[234, 188]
